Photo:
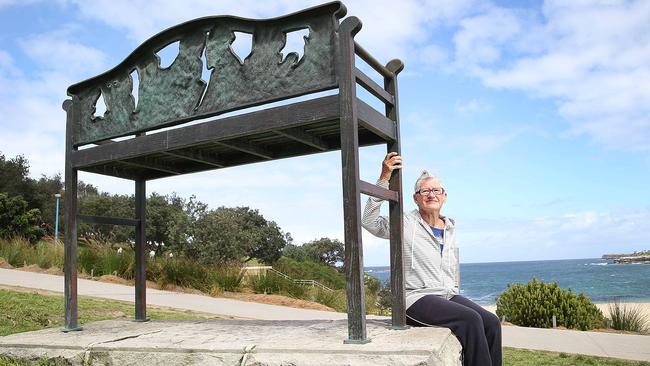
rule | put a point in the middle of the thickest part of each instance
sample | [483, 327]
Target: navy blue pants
[478, 330]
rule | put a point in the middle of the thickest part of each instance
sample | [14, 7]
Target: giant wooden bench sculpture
[175, 95]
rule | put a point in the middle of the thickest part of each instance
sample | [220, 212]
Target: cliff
[636, 257]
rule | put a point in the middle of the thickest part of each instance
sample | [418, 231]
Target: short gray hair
[424, 176]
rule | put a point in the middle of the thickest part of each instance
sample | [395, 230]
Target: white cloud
[592, 57]
[433, 55]
[483, 36]
[386, 37]
[142, 19]
[472, 106]
[6, 62]
[569, 235]
[432, 131]
[32, 121]
[57, 52]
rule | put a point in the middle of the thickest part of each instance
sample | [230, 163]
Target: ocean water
[603, 282]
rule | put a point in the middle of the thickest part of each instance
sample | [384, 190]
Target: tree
[237, 233]
[46, 188]
[296, 252]
[38, 194]
[86, 190]
[108, 205]
[14, 179]
[17, 220]
[271, 240]
[167, 222]
[326, 250]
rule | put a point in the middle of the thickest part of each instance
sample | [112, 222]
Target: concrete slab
[236, 342]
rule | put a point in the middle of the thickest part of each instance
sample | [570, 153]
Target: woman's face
[431, 195]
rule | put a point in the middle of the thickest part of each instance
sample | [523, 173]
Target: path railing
[312, 283]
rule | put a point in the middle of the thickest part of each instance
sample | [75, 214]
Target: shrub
[385, 299]
[534, 304]
[88, 261]
[271, 283]
[98, 259]
[628, 318]
[48, 254]
[19, 251]
[333, 299]
[14, 251]
[180, 272]
[17, 220]
[120, 264]
[266, 283]
[294, 290]
[226, 276]
[308, 270]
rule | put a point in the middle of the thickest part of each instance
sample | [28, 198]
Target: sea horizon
[600, 280]
[513, 261]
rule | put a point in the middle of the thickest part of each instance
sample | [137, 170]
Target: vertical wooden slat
[70, 248]
[396, 209]
[351, 191]
[140, 255]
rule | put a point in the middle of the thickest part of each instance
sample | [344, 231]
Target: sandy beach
[645, 307]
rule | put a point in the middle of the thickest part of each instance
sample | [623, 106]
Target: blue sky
[536, 115]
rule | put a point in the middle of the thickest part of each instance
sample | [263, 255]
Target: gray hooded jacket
[427, 271]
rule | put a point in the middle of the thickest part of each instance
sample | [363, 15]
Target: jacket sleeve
[371, 220]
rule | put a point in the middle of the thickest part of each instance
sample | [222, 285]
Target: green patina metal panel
[176, 94]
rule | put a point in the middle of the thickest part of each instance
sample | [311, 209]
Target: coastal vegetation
[96, 259]
[628, 318]
[535, 303]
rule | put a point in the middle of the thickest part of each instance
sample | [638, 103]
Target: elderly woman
[431, 269]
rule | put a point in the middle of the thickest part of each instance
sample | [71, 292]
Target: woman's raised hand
[391, 162]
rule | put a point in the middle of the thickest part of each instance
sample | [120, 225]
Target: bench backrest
[177, 94]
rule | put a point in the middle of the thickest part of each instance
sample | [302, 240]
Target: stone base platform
[234, 342]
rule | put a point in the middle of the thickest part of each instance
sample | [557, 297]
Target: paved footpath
[632, 347]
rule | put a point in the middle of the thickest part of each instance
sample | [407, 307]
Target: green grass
[26, 311]
[7, 361]
[522, 357]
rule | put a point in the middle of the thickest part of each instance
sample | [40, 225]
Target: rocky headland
[636, 257]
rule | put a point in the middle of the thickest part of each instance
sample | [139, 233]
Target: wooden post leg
[140, 255]
[396, 209]
[70, 248]
[70, 258]
[351, 190]
[353, 244]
